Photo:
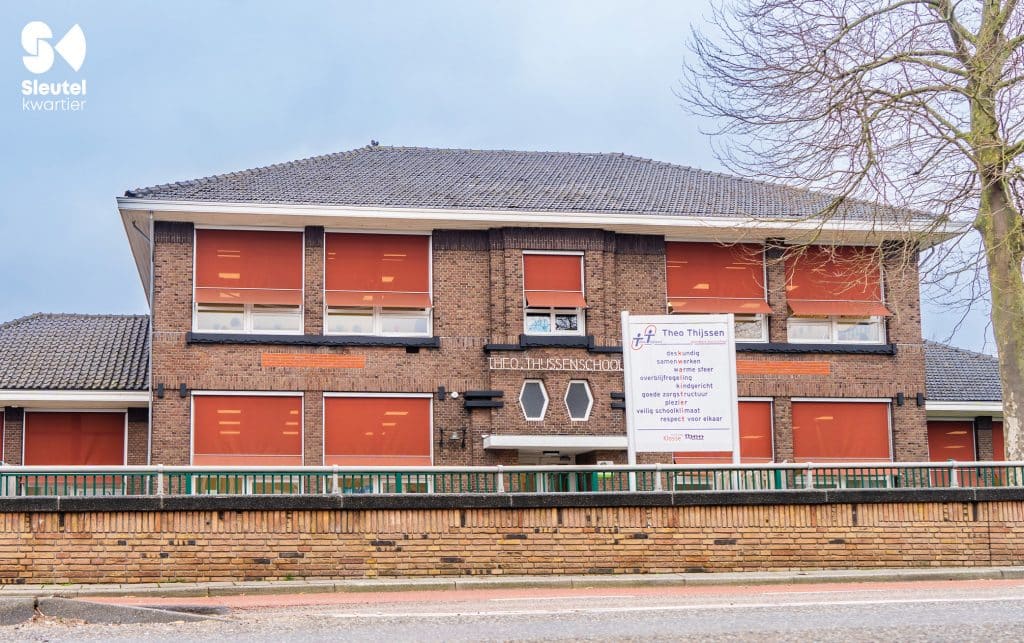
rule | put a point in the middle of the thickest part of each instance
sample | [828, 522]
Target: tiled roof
[416, 177]
[958, 375]
[75, 352]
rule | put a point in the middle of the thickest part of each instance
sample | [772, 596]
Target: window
[756, 441]
[246, 429]
[377, 431]
[553, 294]
[835, 296]
[74, 438]
[835, 431]
[248, 281]
[950, 440]
[533, 399]
[716, 278]
[835, 330]
[578, 400]
[377, 284]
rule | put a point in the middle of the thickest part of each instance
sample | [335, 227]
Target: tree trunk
[1000, 227]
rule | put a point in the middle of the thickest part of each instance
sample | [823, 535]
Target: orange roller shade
[377, 431]
[387, 270]
[715, 278]
[755, 439]
[248, 267]
[74, 438]
[950, 441]
[841, 431]
[998, 443]
[553, 281]
[247, 430]
[844, 281]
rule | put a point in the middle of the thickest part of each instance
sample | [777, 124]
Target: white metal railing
[190, 480]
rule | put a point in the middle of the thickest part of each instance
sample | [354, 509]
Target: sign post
[680, 384]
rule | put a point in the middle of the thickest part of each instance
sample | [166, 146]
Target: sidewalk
[510, 582]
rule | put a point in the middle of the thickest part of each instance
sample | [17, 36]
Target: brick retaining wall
[229, 539]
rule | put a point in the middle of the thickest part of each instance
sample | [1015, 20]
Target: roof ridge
[960, 350]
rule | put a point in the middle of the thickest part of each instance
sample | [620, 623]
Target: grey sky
[178, 90]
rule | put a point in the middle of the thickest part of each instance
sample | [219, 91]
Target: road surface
[916, 611]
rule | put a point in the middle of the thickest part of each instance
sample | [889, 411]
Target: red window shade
[755, 439]
[74, 438]
[377, 431]
[387, 270]
[998, 443]
[841, 431]
[714, 278]
[950, 441]
[247, 430]
[553, 281]
[248, 267]
[846, 281]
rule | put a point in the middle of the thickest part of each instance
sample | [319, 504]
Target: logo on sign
[644, 338]
[58, 95]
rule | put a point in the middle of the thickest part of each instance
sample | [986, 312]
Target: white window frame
[581, 317]
[547, 400]
[377, 312]
[761, 319]
[833, 325]
[247, 309]
[590, 405]
[840, 400]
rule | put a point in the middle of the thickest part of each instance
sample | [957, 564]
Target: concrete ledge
[355, 502]
[44, 593]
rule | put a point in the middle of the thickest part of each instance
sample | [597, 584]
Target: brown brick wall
[477, 282]
[138, 547]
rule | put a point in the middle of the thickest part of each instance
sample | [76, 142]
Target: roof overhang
[135, 214]
[73, 399]
[561, 443]
[936, 409]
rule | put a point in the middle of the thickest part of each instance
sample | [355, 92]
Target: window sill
[312, 340]
[835, 349]
[546, 341]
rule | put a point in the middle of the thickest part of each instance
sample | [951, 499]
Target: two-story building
[417, 306]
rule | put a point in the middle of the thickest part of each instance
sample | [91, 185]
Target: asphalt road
[923, 611]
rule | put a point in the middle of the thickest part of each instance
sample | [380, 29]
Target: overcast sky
[179, 90]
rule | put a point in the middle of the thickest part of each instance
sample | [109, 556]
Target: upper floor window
[248, 281]
[716, 278]
[835, 296]
[377, 284]
[553, 293]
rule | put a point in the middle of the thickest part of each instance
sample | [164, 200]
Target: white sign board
[680, 383]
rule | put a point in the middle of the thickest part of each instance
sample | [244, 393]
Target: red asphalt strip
[244, 601]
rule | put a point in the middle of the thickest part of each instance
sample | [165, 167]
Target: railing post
[657, 476]
[500, 482]
[159, 479]
[809, 476]
[335, 484]
[954, 480]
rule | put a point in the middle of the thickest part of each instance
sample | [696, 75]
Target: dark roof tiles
[416, 177]
[75, 352]
[958, 375]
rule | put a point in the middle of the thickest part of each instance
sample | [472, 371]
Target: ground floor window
[384, 430]
[755, 438]
[836, 330]
[998, 443]
[951, 440]
[74, 438]
[839, 431]
[246, 430]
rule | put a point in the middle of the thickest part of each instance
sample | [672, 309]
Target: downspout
[152, 288]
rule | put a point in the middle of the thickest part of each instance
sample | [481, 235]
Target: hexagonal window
[533, 398]
[578, 400]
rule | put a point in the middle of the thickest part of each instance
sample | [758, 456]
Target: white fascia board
[587, 442]
[712, 228]
[85, 399]
[940, 407]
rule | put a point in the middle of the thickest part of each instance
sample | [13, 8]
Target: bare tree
[915, 104]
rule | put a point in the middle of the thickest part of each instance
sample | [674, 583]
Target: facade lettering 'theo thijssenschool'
[554, 364]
